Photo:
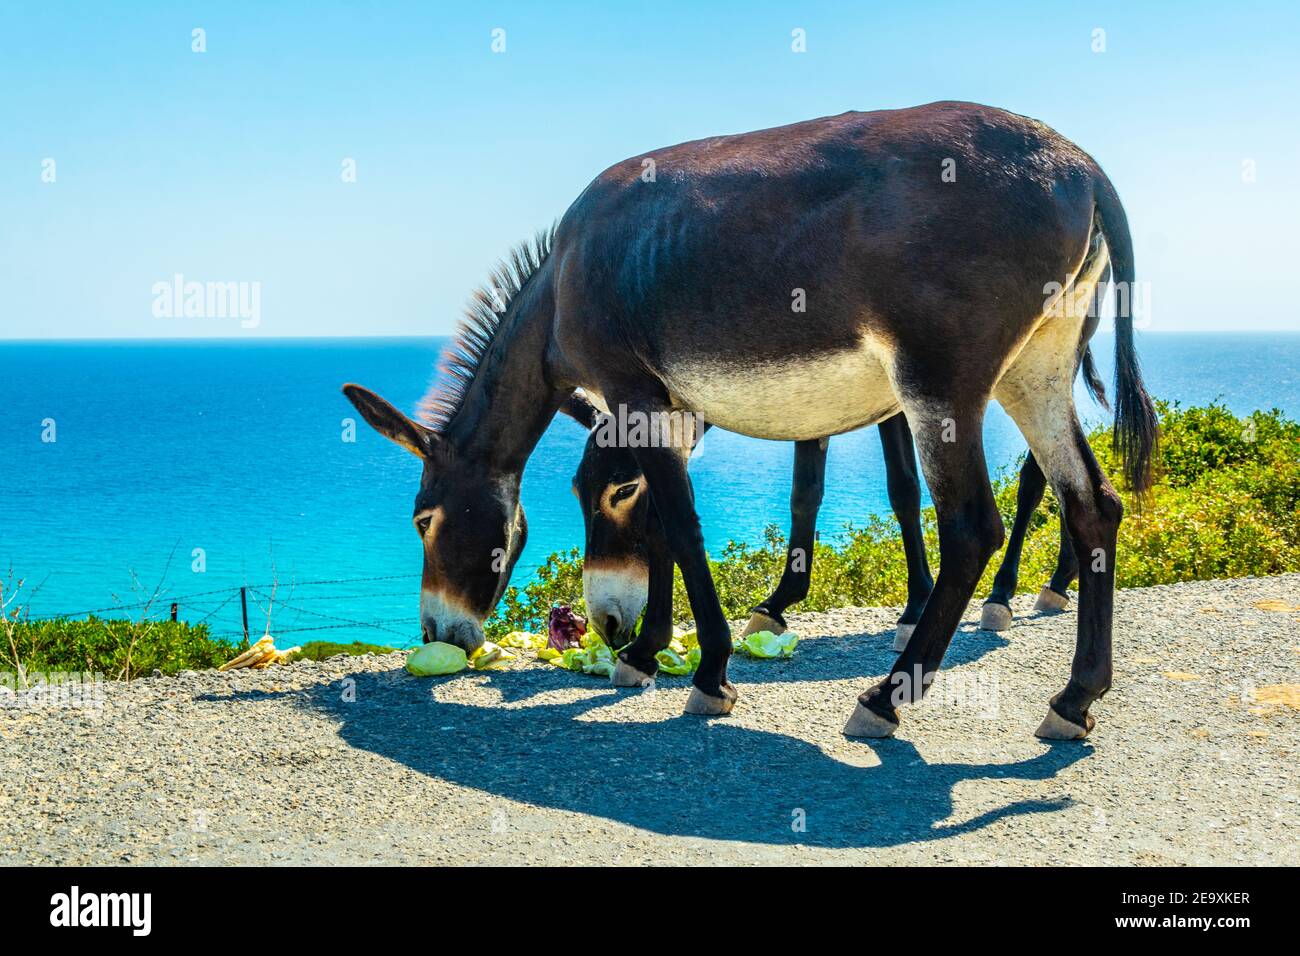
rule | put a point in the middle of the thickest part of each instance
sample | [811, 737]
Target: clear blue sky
[226, 165]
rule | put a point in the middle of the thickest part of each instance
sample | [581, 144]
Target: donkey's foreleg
[970, 531]
[904, 486]
[674, 501]
[637, 663]
[996, 615]
[805, 501]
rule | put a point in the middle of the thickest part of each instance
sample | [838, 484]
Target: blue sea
[180, 471]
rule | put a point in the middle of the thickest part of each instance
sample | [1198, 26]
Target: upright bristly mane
[482, 321]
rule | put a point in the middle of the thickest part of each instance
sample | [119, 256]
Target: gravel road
[355, 761]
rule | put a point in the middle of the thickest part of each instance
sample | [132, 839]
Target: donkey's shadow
[859, 656]
[681, 776]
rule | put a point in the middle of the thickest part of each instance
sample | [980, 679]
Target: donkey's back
[761, 271]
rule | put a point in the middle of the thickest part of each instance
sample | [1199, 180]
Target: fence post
[173, 610]
[243, 603]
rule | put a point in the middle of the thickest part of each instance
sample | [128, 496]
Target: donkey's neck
[509, 403]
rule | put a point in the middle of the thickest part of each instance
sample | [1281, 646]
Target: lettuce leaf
[767, 645]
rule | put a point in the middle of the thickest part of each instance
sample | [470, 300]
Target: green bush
[1226, 504]
[557, 581]
[124, 650]
[120, 650]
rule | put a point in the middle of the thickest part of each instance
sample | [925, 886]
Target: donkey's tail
[1136, 429]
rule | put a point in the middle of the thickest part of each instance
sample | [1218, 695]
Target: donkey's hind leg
[951, 442]
[996, 615]
[905, 498]
[1055, 595]
[1043, 407]
[805, 501]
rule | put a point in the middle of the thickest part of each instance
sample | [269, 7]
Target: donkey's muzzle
[467, 640]
[615, 596]
[442, 622]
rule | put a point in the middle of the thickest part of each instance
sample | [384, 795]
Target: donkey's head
[470, 524]
[615, 505]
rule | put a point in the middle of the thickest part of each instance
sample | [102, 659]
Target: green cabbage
[432, 660]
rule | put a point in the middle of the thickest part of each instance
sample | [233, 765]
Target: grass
[320, 650]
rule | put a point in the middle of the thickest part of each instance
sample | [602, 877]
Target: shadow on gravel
[682, 776]
[858, 656]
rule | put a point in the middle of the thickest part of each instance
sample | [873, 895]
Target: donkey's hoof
[995, 617]
[758, 621]
[865, 722]
[1056, 727]
[1049, 600]
[625, 675]
[903, 634]
[706, 705]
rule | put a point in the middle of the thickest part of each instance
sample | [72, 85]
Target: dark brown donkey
[626, 564]
[947, 255]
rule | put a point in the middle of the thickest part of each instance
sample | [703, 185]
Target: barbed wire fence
[307, 608]
[280, 608]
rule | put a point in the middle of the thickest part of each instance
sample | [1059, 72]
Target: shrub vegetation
[117, 649]
[1226, 504]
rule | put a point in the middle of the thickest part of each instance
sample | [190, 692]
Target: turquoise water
[236, 448]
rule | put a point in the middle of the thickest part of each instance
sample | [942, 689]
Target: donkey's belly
[788, 399]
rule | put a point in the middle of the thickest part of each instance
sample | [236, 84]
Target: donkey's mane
[479, 326]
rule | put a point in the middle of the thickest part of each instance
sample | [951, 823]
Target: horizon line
[433, 335]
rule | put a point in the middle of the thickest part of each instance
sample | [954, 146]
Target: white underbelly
[788, 399]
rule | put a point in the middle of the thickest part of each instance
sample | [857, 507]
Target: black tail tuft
[1136, 429]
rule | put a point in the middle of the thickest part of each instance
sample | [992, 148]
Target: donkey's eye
[422, 525]
[623, 493]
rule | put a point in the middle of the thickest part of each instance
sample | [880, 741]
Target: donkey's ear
[389, 422]
[579, 408]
